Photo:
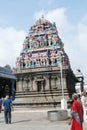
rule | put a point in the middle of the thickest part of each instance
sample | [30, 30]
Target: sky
[70, 16]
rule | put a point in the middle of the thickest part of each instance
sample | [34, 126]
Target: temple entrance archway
[39, 86]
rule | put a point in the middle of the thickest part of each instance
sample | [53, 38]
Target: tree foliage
[7, 67]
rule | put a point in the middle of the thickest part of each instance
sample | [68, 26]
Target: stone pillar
[31, 82]
[47, 82]
[34, 85]
[42, 85]
[20, 85]
[58, 82]
[64, 82]
[13, 90]
[28, 82]
[24, 84]
[17, 85]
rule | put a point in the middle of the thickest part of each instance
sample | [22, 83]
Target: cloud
[10, 45]
[50, 2]
[73, 36]
[59, 17]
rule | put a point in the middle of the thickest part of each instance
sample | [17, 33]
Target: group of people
[78, 111]
[7, 105]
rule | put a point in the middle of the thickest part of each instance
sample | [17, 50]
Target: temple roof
[5, 73]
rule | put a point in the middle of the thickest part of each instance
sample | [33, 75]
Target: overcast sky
[70, 16]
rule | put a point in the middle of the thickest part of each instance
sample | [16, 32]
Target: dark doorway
[6, 87]
[39, 86]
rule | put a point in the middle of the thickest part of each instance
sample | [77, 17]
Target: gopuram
[43, 70]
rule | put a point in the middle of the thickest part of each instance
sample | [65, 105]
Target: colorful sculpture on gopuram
[42, 47]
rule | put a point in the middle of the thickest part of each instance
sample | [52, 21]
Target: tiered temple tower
[38, 68]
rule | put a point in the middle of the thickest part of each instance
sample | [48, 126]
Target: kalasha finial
[42, 16]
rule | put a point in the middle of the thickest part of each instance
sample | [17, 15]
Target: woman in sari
[76, 113]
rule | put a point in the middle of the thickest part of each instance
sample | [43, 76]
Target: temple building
[43, 71]
[7, 83]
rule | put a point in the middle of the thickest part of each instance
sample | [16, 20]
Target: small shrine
[38, 67]
[7, 83]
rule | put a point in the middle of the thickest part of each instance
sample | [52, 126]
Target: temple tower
[38, 68]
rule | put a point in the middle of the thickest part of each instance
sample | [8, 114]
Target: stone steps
[40, 95]
[43, 92]
[40, 98]
[32, 100]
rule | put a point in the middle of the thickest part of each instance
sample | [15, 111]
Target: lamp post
[63, 101]
[61, 73]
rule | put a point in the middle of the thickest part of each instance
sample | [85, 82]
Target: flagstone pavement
[33, 119]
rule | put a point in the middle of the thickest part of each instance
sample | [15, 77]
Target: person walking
[7, 104]
[76, 113]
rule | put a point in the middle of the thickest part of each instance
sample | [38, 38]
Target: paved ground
[33, 119]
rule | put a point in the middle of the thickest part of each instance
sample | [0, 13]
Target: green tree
[8, 67]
